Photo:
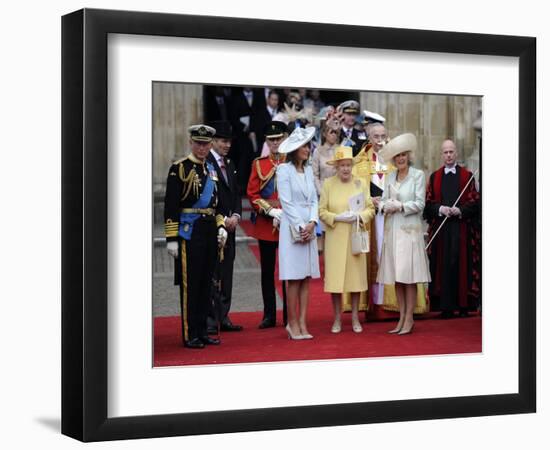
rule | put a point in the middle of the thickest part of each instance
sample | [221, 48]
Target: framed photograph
[132, 84]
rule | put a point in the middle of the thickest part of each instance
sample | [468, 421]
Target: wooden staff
[455, 203]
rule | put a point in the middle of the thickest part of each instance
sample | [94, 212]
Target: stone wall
[432, 118]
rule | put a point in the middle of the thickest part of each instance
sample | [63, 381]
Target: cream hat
[402, 143]
[297, 138]
[341, 152]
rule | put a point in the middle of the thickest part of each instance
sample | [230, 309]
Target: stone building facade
[432, 118]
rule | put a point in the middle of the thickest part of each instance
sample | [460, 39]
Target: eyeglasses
[332, 132]
[379, 136]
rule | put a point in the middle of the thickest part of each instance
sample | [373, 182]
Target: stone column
[176, 106]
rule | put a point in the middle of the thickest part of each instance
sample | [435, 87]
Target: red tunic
[263, 195]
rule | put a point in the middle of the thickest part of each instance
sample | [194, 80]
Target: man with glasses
[263, 196]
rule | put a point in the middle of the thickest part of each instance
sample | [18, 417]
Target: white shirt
[450, 169]
[220, 162]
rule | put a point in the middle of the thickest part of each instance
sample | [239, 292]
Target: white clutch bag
[296, 237]
[360, 242]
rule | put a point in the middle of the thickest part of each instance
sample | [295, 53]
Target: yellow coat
[344, 272]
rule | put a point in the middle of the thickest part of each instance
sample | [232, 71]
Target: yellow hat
[341, 152]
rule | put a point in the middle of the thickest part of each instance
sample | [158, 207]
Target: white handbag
[359, 240]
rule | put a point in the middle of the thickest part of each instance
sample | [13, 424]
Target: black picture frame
[84, 224]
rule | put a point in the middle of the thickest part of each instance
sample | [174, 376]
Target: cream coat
[344, 272]
[404, 258]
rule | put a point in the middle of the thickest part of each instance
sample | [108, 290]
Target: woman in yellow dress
[344, 272]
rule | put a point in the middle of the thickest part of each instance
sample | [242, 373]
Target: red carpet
[430, 336]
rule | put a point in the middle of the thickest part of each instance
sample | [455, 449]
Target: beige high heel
[409, 331]
[294, 337]
[356, 327]
[336, 327]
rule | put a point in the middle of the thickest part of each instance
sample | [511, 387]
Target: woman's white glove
[346, 217]
[276, 213]
[392, 206]
[172, 248]
[276, 223]
[222, 237]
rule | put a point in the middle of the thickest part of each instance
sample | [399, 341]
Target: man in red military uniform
[263, 196]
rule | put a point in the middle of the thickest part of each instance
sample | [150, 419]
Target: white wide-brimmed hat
[297, 138]
[402, 143]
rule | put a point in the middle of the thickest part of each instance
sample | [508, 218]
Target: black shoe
[228, 326]
[209, 341]
[212, 330]
[463, 313]
[266, 323]
[446, 315]
[194, 343]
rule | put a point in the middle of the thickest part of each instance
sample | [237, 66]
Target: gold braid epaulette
[189, 182]
[264, 179]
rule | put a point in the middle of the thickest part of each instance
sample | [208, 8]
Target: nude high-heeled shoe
[294, 337]
[404, 331]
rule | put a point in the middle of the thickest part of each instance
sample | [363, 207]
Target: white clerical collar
[450, 169]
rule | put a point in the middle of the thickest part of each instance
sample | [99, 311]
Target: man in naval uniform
[455, 257]
[194, 230]
[349, 135]
[263, 196]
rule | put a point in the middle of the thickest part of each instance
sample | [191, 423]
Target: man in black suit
[244, 106]
[229, 203]
[262, 117]
[217, 103]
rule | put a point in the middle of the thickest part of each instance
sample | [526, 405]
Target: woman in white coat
[298, 257]
[403, 261]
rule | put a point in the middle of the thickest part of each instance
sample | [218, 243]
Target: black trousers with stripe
[198, 258]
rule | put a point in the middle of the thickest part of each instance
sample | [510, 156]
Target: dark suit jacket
[240, 108]
[259, 121]
[229, 200]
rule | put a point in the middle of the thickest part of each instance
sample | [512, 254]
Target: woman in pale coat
[403, 261]
[298, 257]
[344, 272]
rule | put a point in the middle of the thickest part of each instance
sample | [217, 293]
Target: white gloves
[222, 237]
[392, 206]
[276, 222]
[172, 248]
[276, 213]
[346, 217]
